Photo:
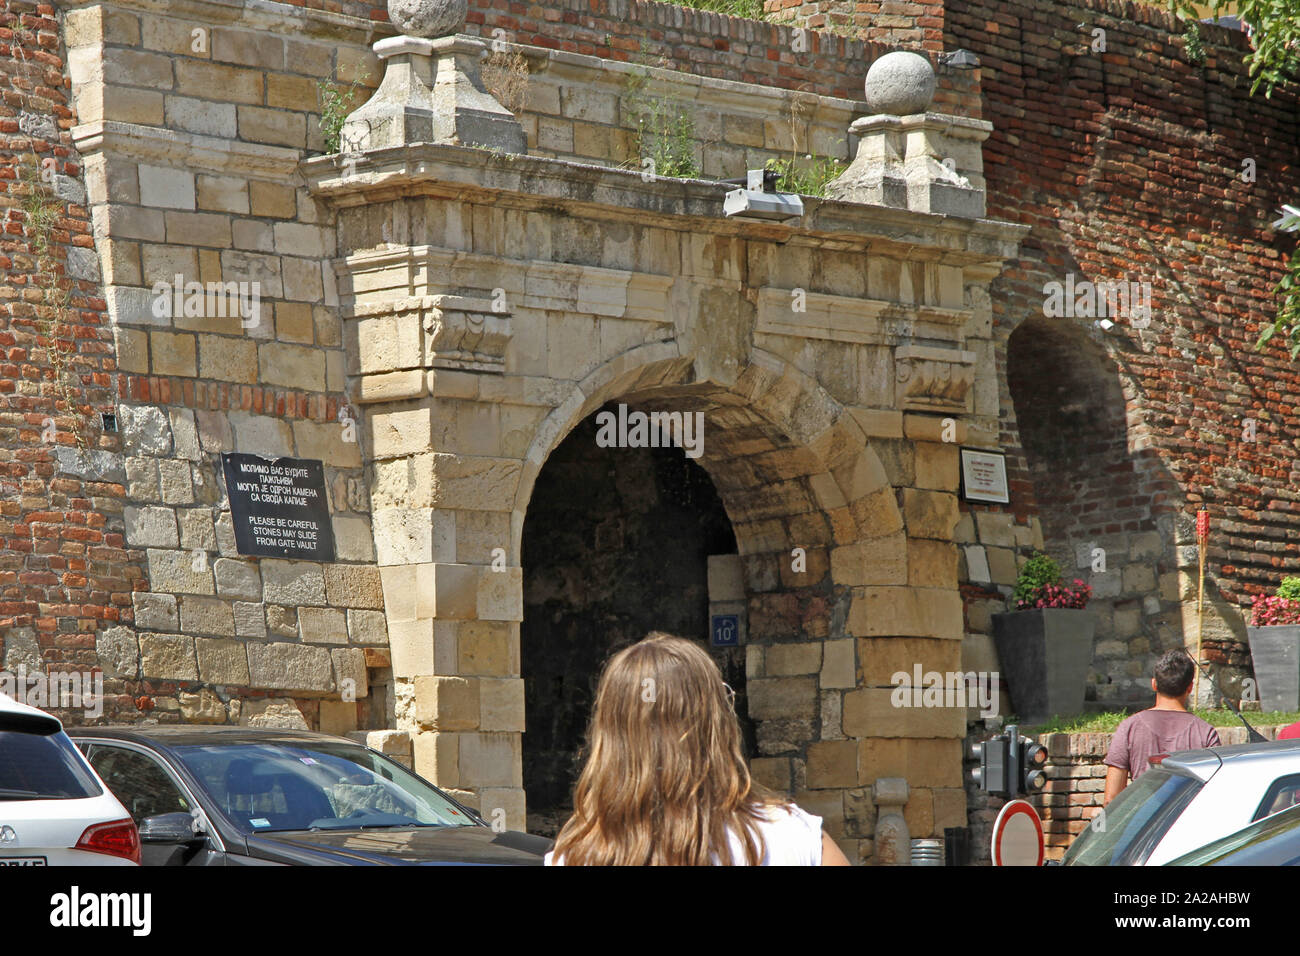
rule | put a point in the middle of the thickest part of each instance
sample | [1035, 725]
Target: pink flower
[1058, 596]
[1269, 611]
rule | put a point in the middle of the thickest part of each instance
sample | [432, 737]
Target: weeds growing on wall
[807, 177]
[41, 214]
[505, 76]
[336, 102]
[747, 9]
[1193, 43]
[663, 129]
[41, 211]
[805, 174]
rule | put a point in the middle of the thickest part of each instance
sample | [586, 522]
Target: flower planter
[1275, 651]
[1044, 656]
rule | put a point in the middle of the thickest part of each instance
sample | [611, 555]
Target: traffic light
[1010, 765]
[1033, 758]
[992, 774]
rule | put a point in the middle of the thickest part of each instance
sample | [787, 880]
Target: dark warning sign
[279, 507]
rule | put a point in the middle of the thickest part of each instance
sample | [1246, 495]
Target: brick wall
[64, 571]
[895, 23]
[1127, 164]
[1146, 178]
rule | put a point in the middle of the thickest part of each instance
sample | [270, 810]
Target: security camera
[1104, 324]
[755, 201]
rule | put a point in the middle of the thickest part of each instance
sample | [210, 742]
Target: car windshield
[1273, 841]
[1134, 822]
[307, 785]
[37, 766]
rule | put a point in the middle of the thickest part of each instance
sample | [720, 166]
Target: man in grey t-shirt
[1164, 728]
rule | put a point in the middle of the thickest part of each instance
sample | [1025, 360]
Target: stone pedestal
[432, 93]
[927, 162]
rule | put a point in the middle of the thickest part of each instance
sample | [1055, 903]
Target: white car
[54, 810]
[1189, 799]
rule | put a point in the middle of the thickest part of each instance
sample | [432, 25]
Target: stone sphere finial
[898, 83]
[428, 18]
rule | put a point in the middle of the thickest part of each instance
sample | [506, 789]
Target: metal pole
[1202, 538]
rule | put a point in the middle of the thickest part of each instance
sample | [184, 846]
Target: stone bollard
[893, 844]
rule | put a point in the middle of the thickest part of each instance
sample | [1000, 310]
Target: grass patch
[1106, 722]
[747, 9]
[809, 178]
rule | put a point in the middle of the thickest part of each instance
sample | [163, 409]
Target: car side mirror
[170, 828]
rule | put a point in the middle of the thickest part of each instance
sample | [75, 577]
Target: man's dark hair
[1174, 673]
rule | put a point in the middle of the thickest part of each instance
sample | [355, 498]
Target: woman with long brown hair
[666, 783]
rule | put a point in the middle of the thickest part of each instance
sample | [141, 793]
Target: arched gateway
[493, 301]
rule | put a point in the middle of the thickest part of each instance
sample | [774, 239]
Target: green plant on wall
[807, 175]
[1287, 320]
[336, 102]
[663, 129]
[1274, 62]
[1193, 43]
[41, 214]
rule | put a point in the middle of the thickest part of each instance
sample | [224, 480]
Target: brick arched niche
[1104, 497]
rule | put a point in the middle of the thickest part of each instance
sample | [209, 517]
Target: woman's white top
[791, 837]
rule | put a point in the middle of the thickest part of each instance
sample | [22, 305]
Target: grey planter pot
[1044, 656]
[1275, 651]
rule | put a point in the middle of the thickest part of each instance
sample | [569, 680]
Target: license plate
[22, 861]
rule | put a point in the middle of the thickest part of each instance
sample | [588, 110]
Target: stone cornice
[862, 320]
[957, 127]
[255, 14]
[563, 286]
[153, 144]
[600, 192]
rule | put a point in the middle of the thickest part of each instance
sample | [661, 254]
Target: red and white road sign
[1018, 836]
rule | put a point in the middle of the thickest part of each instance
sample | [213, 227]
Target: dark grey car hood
[415, 846]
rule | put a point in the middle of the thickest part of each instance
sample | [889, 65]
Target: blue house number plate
[726, 630]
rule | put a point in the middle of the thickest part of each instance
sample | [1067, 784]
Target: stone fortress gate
[488, 300]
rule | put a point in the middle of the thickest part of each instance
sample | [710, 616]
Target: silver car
[1189, 799]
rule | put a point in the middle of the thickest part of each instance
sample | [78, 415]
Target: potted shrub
[1275, 646]
[1045, 644]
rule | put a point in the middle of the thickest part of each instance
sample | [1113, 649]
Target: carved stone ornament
[930, 379]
